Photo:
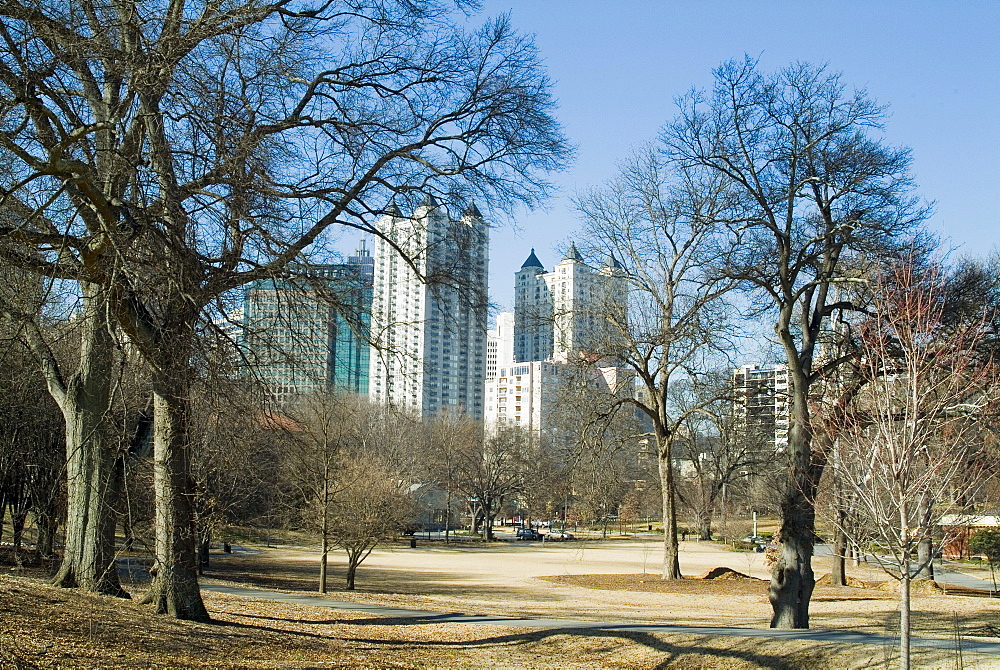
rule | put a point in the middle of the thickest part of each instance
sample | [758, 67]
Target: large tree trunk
[792, 580]
[175, 588]
[91, 476]
[671, 559]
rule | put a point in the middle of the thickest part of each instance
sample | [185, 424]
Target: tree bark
[174, 590]
[792, 580]
[323, 560]
[352, 569]
[705, 525]
[925, 545]
[838, 573]
[91, 476]
[671, 559]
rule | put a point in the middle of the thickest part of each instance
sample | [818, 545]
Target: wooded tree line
[159, 155]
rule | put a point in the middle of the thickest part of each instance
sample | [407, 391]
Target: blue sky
[617, 67]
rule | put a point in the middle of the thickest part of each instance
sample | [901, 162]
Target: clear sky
[618, 65]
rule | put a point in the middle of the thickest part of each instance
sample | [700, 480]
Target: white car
[558, 535]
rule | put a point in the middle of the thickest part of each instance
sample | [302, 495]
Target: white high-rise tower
[562, 314]
[429, 321]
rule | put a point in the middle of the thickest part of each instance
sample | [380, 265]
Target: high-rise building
[500, 344]
[429, 311]
[310, 333]
[562, 314]
[762, 402]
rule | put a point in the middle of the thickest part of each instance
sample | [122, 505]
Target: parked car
[556, 535]
[529, 534]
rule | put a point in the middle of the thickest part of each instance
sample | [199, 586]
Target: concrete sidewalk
[423, 617]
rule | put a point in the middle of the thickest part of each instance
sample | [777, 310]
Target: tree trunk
[792, 580]
[91, 476]
[705, 524]
[352, 568]
[925, 559]
[175, 589]
[838, 573]
[925, 545]
[17, 520]
[904, 621]
[47, 524]
[204, 551]
[671, 559]
[323, 560]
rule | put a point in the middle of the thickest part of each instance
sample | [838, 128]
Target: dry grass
[44, 627]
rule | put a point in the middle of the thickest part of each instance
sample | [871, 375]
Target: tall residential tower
[429, 317]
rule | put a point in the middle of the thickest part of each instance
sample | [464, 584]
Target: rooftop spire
[572, 254]
[472, 211]
[532, 261]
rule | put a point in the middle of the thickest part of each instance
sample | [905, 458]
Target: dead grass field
[43, 627]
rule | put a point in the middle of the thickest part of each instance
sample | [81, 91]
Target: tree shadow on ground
[746, 652]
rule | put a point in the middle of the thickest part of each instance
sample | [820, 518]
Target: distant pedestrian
[684, 535]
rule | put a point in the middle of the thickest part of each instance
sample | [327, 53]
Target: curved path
[423, 616]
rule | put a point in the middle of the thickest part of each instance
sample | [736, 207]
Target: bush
[987, 542]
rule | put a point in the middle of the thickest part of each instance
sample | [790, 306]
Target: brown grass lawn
[44, 627]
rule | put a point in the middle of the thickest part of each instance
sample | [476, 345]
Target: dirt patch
[724, 573]
[745, 586]
[827, 580]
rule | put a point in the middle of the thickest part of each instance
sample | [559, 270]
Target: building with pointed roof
[561, 314]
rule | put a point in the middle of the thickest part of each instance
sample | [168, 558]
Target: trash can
[413, 542]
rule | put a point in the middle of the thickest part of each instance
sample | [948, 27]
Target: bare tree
[325, 427]
[493, 470]
[909, 450]
[658, 228]
[161, 155]
[718, 452]
[448, 437]
[76, 358]
[810, 196]
[235, 443]
[371, 505]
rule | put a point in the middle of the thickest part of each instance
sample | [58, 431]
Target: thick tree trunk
[175, 589]
[91, 476]
[671, 559]
[705, 525]
[792, 580]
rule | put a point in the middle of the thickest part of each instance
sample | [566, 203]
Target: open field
[600, 581]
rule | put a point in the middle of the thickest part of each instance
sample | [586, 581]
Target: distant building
[560, 314]
[500, 344]
[762, 401]
[429, 318]
[310, 333]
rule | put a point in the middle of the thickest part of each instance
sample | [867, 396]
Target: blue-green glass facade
[311, 333]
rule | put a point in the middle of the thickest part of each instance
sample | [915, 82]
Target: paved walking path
[422, 616]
